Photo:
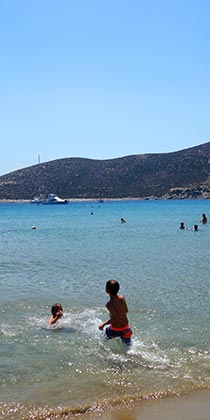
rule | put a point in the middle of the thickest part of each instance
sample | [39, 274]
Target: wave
[18, 411]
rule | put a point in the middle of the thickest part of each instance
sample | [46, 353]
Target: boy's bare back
[117, 308]
[118, 320]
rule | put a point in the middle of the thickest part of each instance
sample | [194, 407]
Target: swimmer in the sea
[204, 219]
[57, 313]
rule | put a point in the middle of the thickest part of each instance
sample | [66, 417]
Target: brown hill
[185, 173]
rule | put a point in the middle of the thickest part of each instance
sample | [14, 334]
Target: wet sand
[195, 406]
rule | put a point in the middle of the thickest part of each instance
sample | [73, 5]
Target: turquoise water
[164, 275]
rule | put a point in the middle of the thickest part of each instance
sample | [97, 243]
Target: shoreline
[192, 406]
[103, 200]
[78, 200]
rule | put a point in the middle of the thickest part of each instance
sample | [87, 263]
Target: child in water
[57, 313]
[118, 309]
[204, 218]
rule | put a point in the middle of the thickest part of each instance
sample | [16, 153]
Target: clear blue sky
[102, 78]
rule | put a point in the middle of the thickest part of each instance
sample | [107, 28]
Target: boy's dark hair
[112, 286]
[55, 308]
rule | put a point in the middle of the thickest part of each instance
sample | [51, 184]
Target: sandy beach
[195, 406]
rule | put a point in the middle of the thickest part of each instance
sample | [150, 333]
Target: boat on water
[54, 199]
[51, 199]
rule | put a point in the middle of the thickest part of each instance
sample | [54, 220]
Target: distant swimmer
[182, 226]
[204, 219]
[195, 228]
[57, 313]
[33, 227]
[122, 220]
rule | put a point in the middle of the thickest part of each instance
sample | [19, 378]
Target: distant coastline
[96, 200]
[178, 175]
[77, 200]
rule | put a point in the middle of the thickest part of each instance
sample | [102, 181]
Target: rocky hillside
[182, 174]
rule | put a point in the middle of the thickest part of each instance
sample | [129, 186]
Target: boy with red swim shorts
[118, 309]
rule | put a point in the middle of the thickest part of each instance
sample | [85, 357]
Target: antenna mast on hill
[39, 160]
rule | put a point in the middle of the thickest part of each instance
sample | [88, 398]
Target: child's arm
[101, 327]
[53, 320]
[126, 308]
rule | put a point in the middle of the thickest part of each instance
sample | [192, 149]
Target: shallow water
[164, 275]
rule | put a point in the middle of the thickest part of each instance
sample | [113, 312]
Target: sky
[102, 79]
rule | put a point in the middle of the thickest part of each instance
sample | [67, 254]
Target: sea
[66, 254]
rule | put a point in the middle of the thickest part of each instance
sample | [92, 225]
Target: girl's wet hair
[55, 308]
[112, 286]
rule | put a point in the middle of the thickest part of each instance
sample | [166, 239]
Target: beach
[194, 406]
[70, 370]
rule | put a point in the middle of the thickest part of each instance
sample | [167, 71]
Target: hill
[182, 174]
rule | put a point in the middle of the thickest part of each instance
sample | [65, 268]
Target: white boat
[54, 199]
